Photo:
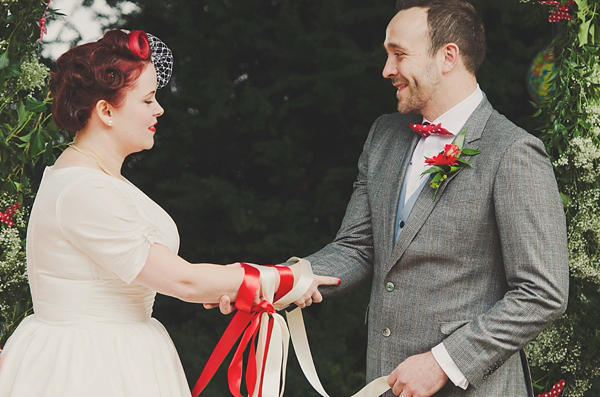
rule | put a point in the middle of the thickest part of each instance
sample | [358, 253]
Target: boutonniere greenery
[448, 162]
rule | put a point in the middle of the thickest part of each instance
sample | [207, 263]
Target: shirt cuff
[449, 367]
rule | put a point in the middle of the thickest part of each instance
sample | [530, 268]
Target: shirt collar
[456, 117]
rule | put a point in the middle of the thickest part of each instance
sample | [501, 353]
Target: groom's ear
[450, 54]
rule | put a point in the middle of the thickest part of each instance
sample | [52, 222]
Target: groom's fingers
[313, 294]
[224, 305]
[326, 280]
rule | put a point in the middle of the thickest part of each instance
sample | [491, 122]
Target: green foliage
[571, 130]
[28, 140]
[27, 136]
[15, 301]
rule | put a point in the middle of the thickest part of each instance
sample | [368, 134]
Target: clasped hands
[312, 295]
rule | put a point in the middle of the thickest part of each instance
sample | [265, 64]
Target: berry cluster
[556, 390]
[7, 216]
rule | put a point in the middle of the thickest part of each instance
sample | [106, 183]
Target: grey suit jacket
[483, 268]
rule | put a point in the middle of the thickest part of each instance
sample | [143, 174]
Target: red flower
[448, 162]
[452, 151]
[441, 160]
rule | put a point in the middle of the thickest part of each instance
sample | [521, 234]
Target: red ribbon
[246, 324]
[562, 11]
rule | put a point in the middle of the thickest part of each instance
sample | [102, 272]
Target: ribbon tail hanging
[302, 348]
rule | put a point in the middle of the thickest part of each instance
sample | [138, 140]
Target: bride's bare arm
[170, 274]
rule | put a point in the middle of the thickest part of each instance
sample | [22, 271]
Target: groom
[460, 283]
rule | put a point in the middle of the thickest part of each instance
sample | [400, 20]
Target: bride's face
[134, 122]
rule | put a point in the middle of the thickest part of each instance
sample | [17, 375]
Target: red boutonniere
[448, 162]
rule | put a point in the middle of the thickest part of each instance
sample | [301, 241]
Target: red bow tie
[426, 129]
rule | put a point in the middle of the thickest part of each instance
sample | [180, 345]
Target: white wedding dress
[92, 334]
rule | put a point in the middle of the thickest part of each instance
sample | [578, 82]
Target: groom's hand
[313, 294]
[225, 305]
[417, 376]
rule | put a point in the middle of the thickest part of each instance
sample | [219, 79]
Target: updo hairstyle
[87, 73]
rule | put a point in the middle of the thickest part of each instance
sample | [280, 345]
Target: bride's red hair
[87, 73]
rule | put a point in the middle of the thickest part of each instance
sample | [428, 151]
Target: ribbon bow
[6, 217]
[562, 11]
[427, 129]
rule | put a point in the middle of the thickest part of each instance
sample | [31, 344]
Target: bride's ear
[104, 111]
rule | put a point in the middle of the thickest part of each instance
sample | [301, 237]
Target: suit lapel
[425, 204]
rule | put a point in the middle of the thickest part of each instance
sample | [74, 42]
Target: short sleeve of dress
[102, 220]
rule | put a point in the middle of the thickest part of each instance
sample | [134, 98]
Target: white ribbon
[300, 341]
[275, 367]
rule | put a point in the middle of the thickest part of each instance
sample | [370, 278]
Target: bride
[98, 248]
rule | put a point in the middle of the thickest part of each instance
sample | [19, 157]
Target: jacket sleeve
[350, 256]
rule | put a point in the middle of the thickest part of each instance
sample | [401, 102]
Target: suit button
[389, 286]
[386, 332]
[401, 224]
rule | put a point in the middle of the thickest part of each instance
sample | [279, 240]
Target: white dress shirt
[452, 120]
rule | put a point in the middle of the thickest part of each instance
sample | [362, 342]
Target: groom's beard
[417, 93]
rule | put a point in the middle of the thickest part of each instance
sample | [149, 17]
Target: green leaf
[460, 138]
[463, 161]
[13, 70]
[37, 144]
[52, 128]
[22, 113]
[566, 200]
[34, 105]
[584, 30]
[433, 169]
[4, 61]
[436, 178]
[470, 152]
[26, 138]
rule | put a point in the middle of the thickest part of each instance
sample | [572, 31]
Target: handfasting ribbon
[267, 334]
[242, 319]
[262, 328]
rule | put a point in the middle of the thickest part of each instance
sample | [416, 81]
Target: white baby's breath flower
[34, 75]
